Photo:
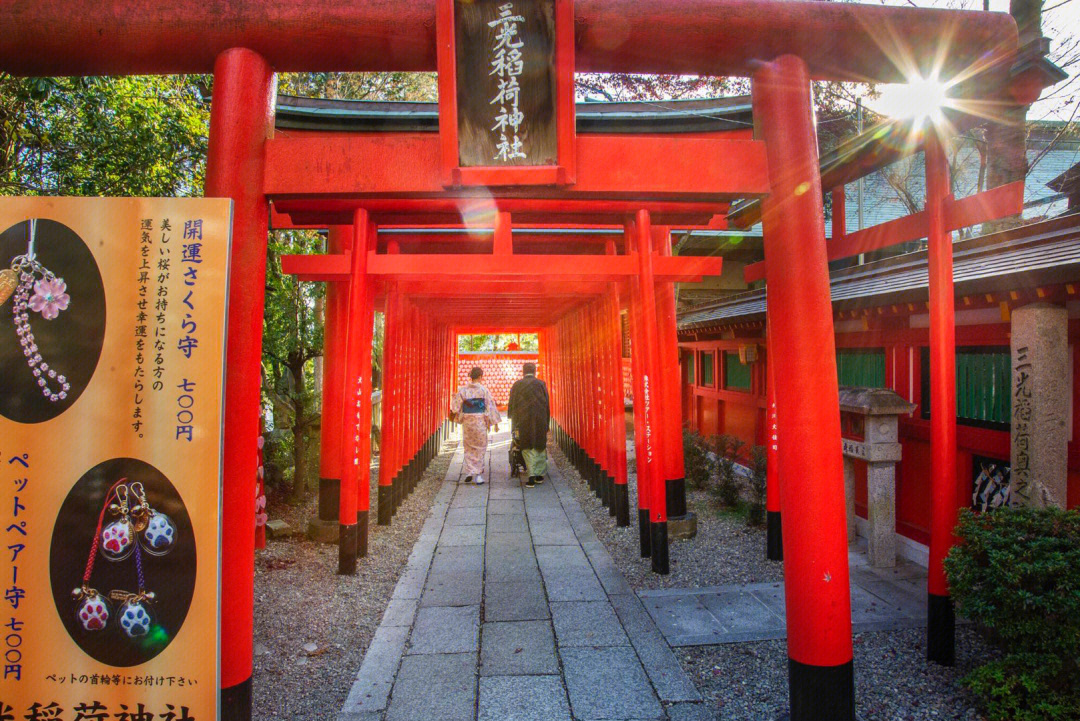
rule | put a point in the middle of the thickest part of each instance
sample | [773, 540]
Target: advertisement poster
[112, 346]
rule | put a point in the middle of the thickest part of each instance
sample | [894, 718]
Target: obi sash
[473, 405]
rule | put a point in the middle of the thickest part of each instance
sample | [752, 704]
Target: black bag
[517, 460]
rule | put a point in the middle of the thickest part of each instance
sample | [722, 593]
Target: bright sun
[922, 99]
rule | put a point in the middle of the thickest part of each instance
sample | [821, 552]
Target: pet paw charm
[135, 616]
[93, 609]
[118, 537]
[158, 534]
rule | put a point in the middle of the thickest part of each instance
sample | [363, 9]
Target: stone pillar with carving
[872, 414]
[1040, 405]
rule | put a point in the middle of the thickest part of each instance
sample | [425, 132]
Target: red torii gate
[782, 44]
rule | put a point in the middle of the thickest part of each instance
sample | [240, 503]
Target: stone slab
[454, 675]
[515, 601]
[523, 698]
[454, 588]
[518, 648]
[445, 629]
[552, 533]
[587, 623]
[693, 712]
[370, 691]
[465, 516]
[502, 506]
[608, 683]
[399, 612]
[507, 523]
[610, 577]
[462, 536]
[664, 670]
[568, 576]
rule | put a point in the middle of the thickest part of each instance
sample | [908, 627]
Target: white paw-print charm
[159, 536]
[93, 612]
[135, 618]
[117, 542]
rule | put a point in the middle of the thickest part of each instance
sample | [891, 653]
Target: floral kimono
[475, 410]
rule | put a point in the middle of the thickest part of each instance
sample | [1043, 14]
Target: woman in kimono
[475, 410]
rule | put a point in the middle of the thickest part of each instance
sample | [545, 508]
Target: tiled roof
[1042, 253]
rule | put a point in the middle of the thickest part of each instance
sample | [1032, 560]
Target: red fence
[501, 369]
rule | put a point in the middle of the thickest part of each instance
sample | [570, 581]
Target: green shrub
[727, 489]
[1017, 574]
[756, 514]
[698, 465]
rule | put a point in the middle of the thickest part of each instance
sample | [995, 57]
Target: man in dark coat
[529, 413]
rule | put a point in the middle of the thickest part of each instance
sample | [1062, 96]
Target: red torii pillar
[391, 420]
[670, 415]
[940, 628]
[774, 543]
[338, 240]
[241, 120]
[355, 412]
[653, 451]
[818, 601]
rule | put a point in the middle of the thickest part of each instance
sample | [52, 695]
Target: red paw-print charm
[117, 540]
[93, 613]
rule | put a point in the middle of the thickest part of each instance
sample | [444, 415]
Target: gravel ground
[726, 550]
[893, 679]
[313, 625]
[748, 681]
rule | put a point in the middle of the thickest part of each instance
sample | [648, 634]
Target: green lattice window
[864, 367]
[736, 373]
[707, 369]
[689, 368]
[983, 376]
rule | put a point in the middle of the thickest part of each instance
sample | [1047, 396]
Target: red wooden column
[391, 421]
[637, 370]
[670, 410]
[818, 601]
[356, 409]
[653, 450]
[774, 544]
[620, 501]
[241, 120]
[339, 240]
[940, 630]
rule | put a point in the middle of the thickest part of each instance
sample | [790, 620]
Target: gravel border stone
[310, 623]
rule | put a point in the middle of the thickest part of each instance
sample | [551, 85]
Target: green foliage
[292, 338]
[1017, 573]
[698, 466]
[497, 341]
[398, 86]
[726, 490]
[756, 487]
[136, 135]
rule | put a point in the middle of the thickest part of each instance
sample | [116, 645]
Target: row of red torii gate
[507, 181]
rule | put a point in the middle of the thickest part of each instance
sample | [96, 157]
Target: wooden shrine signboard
[506, 91]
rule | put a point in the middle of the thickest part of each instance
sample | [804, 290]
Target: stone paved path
[882, 599]
[511, 609]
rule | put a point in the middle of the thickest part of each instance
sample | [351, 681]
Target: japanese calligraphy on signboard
[506, 90]
[506, 82]
[112, 340]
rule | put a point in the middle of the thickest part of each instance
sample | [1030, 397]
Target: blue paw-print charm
[135, 618]
[159, 536]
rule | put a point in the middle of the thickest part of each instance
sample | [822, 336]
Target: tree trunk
[1006, 140]
[300, 439]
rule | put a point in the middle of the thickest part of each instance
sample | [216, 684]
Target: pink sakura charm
[49, 297]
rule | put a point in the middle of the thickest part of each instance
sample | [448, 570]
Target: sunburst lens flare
[922, 99]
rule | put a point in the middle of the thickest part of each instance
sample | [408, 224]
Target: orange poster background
[98, 427]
